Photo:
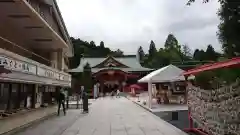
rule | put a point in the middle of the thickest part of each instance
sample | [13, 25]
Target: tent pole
[150, 94]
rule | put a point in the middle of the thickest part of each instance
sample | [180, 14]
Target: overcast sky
[128, 24]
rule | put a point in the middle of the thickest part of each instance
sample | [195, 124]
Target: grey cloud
[192, 24]
[127, 24]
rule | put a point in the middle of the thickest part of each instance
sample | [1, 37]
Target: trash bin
[85, 102]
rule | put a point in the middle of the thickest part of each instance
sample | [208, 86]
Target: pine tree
[211, 54]
[199, 55]
[141, 54]
[87, 78]
[152, 50]
[171, 42]
[102, 44]
[229, 28]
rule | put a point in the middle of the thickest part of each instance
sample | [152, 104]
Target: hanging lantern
[111, 72]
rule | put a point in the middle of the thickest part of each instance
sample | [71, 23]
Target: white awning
[169, 73]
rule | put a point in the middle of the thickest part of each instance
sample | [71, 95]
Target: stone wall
[216, 111]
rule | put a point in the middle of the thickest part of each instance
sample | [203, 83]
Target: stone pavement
[18, 121]
[143, 97]
[107, 116]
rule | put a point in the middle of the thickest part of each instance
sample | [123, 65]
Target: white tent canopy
[169, 73]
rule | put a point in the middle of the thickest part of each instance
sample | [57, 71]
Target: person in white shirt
[118, 93]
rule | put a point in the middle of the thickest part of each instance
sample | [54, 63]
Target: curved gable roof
[130, 62]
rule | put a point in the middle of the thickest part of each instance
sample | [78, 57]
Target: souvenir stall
[165, 81]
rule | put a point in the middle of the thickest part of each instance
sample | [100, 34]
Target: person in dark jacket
[85, 102]
[61, 101]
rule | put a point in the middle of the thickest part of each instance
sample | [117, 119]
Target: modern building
[113, 72]
[34, 51]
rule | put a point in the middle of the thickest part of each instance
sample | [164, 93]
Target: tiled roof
[131, 62]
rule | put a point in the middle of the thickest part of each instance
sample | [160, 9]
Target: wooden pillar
[9, 96]
[25, 95]
[125, 80]
[68, 91]
[120, 87]
[150, 94]
[101, 86]
[186, 91]
[33, 98]
[19, 90]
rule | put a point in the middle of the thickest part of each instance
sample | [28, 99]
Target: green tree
[89, 50]
[186, 52]
[229, 28]
[141, 54]
[211, 54]
[163, 58]
[173, 48]
[171, 42]
[199, 55]
[92, 44]
[102, 44]
[204, 1]
[118, 53]
[152, 50]
[102, 51]
[87, 78]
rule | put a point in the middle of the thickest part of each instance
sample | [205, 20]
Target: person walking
[61, 101]
[118, 93]
[85, 102]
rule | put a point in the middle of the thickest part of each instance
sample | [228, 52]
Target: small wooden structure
[166, 81]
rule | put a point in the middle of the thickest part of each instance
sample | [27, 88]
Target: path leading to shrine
[106, 117]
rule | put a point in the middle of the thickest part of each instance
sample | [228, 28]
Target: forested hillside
[172, 52]
[90, 49]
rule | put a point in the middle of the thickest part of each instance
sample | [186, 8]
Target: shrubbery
[217, 78]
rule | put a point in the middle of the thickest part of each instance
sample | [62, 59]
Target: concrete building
[34, 47]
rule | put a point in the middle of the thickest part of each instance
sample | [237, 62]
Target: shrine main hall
[113, 72]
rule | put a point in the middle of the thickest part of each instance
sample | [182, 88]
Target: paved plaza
[143, 97]
[106, 117]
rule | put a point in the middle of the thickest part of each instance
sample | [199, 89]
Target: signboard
[21, 66]
[52, 74]
[48, 73]
[16, 65]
